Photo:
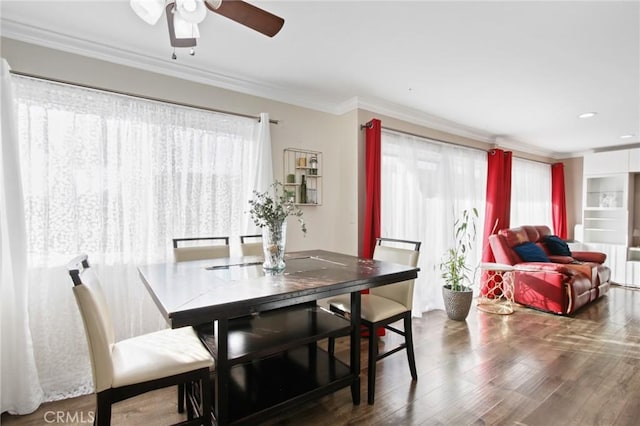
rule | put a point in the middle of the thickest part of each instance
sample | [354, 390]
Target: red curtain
[497, 211]
[498, 208]
[371, 230]
[373, 137]
[558, 201]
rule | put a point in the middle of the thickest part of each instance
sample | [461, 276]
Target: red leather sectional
[561, 286]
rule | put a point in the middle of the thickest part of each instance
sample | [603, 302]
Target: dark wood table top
[191, 293]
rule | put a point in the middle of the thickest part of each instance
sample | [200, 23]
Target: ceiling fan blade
[249, 16]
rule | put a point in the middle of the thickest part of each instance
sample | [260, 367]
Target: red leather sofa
[562, 285]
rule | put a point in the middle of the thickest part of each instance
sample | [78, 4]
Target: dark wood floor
[529, 368]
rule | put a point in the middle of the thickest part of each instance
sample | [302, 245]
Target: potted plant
[457, 291]
[269, 211]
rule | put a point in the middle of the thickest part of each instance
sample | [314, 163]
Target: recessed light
[629, 136]
[587, 114]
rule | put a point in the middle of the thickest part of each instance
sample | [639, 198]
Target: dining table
[263, 327]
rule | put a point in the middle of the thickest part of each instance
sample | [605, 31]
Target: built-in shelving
[611, 211]
[605, 212]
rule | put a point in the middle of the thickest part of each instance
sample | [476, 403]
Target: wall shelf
[298, 163]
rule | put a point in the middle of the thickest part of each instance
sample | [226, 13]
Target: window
[530, 193]
[425, 186]
[121, 176]
[118, 177]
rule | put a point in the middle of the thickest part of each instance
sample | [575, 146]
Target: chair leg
[103, 412]
[181, 398]
[205, 389]
[190, 389]
[373, 355]
[408, 338]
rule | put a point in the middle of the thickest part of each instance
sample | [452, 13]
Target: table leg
[222, 373]
[355, 347]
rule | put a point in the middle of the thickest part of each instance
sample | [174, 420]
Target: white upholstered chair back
[200, 252]
[251, 249]
[401, 292]
[251, 245]
[97, 321]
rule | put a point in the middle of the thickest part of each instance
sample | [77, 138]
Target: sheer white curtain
[425, 187]
[118, 177]
[264, 169]
[20, 391]
[264, 166]
[530, 193]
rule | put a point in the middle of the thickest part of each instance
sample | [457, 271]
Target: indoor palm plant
[457, 291]
[269, 210]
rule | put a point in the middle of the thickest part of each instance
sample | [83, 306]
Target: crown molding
[420, 118]
[84, 47]
[505, 142]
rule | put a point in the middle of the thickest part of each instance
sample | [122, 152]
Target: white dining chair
[251, 245]
[140, 364]
[185, 249]
[384, 305]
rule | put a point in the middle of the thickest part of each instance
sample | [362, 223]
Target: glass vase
[274, 238]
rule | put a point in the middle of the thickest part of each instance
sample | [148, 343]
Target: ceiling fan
[183, 17]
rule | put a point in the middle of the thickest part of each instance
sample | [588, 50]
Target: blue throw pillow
[529, 252]
[557, 246]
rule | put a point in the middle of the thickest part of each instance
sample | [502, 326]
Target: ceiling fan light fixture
[184, 29]
[172, 17]
[192, 11]
[148, 10]
[213, 4]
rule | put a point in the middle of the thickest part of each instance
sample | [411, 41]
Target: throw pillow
[529, 252]
[557, 245]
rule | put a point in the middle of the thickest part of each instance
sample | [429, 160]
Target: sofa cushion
[502, 252]
[557, 246]
[530, 252]
[532, 233]
[560, 259]
[543, 231]
[514, 236]
[589, 256]
[589, 270]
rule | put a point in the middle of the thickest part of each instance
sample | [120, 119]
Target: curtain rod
[370, 125]
[148, 98]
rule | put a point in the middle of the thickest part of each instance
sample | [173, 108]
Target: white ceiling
[517, 73]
